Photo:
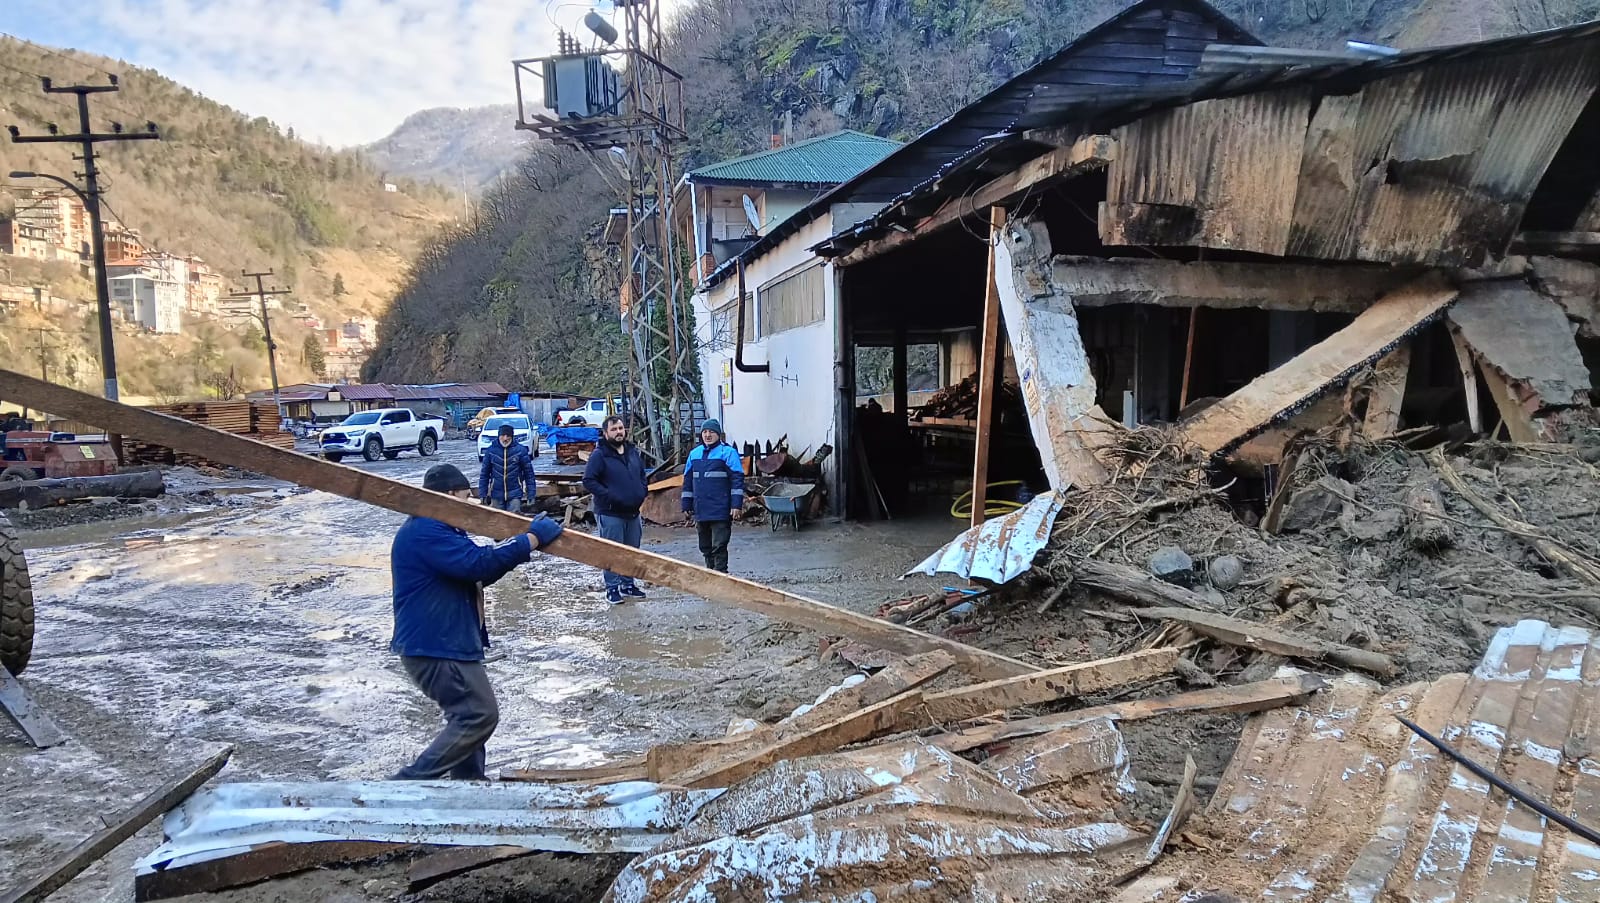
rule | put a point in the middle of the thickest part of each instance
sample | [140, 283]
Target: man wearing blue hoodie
[439, 574]
[713, 492]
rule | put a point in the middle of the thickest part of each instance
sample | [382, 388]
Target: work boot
[614, 595]
[629, 589]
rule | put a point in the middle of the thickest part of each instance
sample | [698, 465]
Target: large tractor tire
[16, 602]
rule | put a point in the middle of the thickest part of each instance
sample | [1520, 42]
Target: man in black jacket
[615, 477]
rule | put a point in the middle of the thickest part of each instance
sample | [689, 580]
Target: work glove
[544, 529]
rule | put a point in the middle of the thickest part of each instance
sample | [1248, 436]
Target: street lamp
[102, 289]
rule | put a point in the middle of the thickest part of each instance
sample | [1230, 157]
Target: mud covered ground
[258, 615]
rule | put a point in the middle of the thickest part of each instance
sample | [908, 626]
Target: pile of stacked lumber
[258, 422]
[960, 401]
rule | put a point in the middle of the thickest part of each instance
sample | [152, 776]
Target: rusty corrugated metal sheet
[1234, 160]
[1000, 549]
[1337, 802]
[1431, 165]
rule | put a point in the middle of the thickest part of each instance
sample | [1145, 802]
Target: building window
[793, 301]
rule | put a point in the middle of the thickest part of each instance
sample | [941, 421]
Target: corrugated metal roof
[1473, 126]
[824, 160]
[229, 819]
[934, 151]
[366, 392]
[1337, 802]
[997, 550]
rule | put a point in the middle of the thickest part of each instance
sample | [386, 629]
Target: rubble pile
[1374, 548]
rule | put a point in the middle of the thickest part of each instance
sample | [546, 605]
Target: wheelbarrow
[784, 502]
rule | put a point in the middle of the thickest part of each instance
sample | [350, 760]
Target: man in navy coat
[439, 634]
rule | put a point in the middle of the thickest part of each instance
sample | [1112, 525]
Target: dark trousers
[470, 716]
[627, 530]
[714, 542]
[512, 505]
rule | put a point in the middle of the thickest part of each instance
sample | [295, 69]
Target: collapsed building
[1185, 226]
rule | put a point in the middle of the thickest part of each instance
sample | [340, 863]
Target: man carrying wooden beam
[439, 630]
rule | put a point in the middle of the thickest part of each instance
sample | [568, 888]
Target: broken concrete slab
[1527, 338]
[1575, 285]
[906, 822]
[1290, 388]
[1058, 385]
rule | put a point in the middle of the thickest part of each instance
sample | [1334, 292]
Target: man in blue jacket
[507, 468]
[439, 574]
[615, 477]
[713, 492]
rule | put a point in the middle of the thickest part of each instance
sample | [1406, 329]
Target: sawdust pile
[1375, 549]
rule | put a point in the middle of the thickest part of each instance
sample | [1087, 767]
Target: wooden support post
[1469, 379]
[989, 373]
[1188, 357]
[1519, 423]
[902, 379]
[1045, 686]
[1387, 393]
[125, 826]
[394, 495]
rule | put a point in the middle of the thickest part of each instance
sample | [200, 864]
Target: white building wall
[796, 396]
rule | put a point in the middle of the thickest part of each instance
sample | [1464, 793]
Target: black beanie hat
[445, 478]
[507, 429]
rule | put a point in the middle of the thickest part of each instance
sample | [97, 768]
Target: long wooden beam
[109, 838]
[394, 495]
[1089, 152]
[989, 374]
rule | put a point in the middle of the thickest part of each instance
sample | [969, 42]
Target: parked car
[593, 413]
[475, 425]
[384, 432]
[522, 423]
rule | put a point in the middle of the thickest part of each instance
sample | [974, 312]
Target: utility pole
[87, 138]
[44, 362]
[261, 294]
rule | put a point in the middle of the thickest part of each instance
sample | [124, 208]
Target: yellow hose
[991, 507]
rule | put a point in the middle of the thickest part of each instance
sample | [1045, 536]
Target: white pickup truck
[384, 432]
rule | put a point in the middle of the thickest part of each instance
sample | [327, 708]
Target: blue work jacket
[436, 570]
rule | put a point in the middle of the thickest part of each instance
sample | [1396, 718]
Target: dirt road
[265, 624]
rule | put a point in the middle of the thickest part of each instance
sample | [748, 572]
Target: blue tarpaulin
[560, 435]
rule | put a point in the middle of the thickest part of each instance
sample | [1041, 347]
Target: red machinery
[33, 454]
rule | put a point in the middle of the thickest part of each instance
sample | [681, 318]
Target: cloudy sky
[339, 71]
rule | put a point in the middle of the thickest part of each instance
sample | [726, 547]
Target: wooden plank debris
[368, 487]
[1135, 586]
[989, 373]
[973, 701]
[25, 714]
[1087, 153]
[626, 770]
[448, 863]
[865, 724]
[1283, 391]
[1060, 757]
[273, 860]
[1262, 638]
[668, 761]
[124, 826]
[1469, 382]
[1251, 697]
[1386, 393]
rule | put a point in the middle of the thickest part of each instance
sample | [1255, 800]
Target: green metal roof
[824, 160]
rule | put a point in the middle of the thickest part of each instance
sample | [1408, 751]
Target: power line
[87, 138]
[261, 294]
[113, 76]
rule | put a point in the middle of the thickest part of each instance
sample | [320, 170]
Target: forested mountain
[239, 192]
[527, 297]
